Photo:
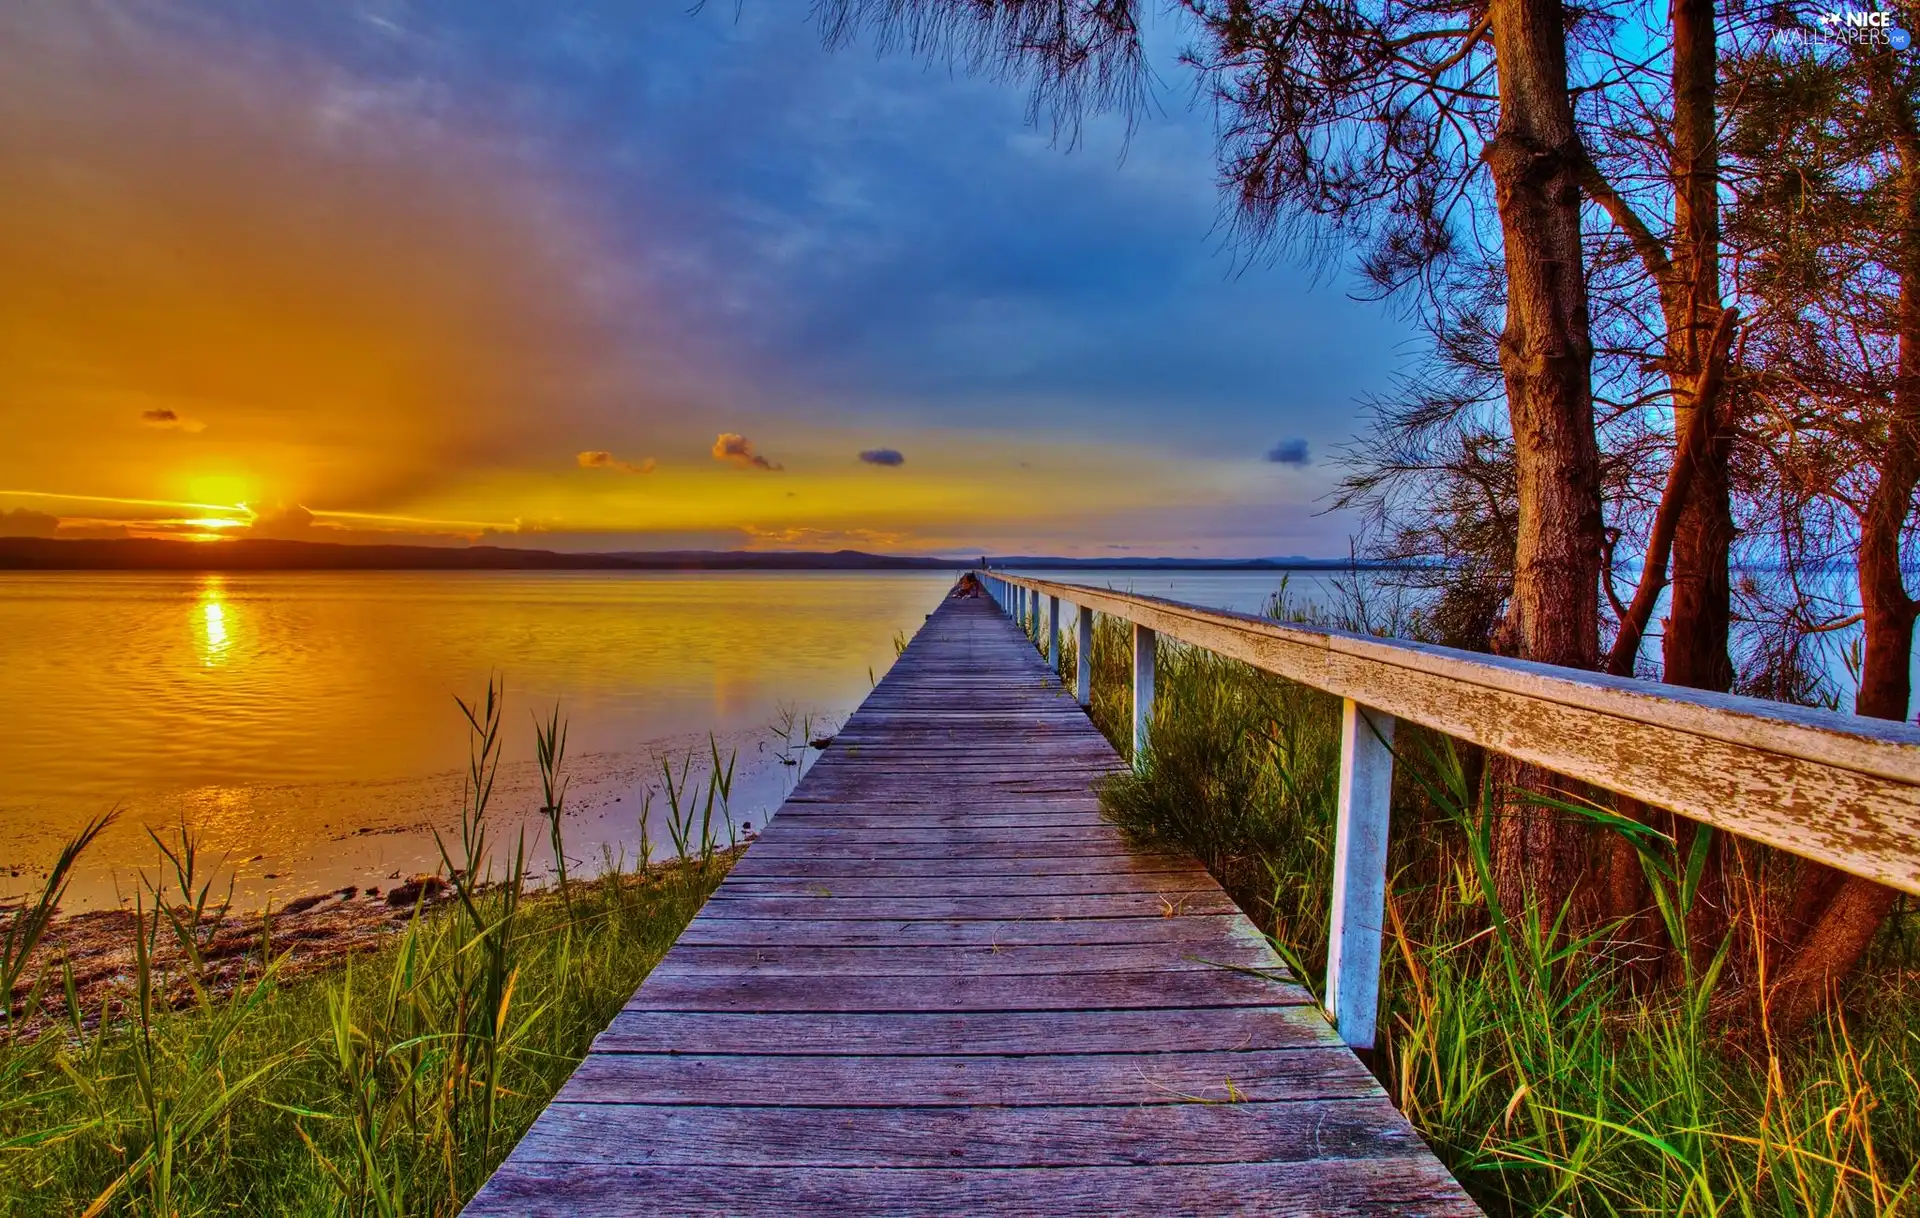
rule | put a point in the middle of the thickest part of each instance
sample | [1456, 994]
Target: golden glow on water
[304, 722]
[213, 622]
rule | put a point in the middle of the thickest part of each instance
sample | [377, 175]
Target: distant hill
[252, 554]
[143, 554]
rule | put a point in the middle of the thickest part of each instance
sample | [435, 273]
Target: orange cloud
[601, 459]
[736, 449]
[801, 537]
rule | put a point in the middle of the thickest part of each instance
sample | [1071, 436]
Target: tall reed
[393, 1086]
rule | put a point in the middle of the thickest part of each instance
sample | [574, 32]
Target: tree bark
[1546, 357]
[1695, 647]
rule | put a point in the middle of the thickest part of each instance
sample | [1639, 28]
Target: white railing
[1840, 789]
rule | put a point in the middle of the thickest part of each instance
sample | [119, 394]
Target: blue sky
[737, 232]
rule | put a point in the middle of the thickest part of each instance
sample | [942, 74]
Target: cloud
[737, 450]
[1291, 451]
[377, 292]
[601, 459]
[802, 537]
[25, 522]
[286, 523]
[171, 420]
[883, 456]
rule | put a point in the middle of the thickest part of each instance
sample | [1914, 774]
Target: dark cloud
[171, 420]
[1291, 451]
[884, 456]
[602, 459]
[25, 522]
[736, 449]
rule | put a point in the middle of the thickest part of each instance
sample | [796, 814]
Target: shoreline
[308, 936]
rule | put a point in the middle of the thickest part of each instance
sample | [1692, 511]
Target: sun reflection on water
[214, 640]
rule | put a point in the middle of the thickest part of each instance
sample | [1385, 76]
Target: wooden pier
[940, 983]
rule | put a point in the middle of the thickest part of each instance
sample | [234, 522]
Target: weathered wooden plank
[1011, 905]
[912, 850]
[806, 835]
[1181, 933]
[957, 818]
[1412, 1185]
[1113, 991]
[1078, 1136]
[948, 961]
[777, 1033]
[803, 866]
[988, 886]
[928, 1081]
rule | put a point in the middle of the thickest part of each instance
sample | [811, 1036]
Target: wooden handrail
[1841, 789]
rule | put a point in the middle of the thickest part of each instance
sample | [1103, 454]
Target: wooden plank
[987, 886]
[1111, 991]
[1011, 905]
[1182, 933]
[805, 834]
[1841, 789]
[756, 864]
[777, 1033]
[1359, 872]
[957, 818]
[929, 1081]
[975, 1137]
[913, 850]
[1052, 959]
[1412, 1185]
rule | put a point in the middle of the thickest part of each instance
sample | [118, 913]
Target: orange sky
[249, 293]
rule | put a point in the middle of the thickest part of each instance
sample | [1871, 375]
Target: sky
[634, 276]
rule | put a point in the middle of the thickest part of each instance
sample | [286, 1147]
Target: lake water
[304, 723]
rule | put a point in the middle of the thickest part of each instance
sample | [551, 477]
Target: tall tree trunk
[1847, 912]
[1546, 356]
[1694, 649]
[1696, 636]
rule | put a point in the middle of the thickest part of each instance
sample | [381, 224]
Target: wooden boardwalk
[940, 983]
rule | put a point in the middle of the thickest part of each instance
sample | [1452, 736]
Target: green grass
[1542, 1078]
[393, 1085]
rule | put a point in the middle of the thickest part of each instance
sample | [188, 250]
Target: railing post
[1053, 633]
[1083, 659]
[1359, 872]
[1143, 664]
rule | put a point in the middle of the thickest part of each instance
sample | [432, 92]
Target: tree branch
[1653, 571]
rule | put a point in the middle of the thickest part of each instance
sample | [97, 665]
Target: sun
[220, 490]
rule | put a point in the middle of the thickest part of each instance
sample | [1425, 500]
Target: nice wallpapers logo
[1864, 28]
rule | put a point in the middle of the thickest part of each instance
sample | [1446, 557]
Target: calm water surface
[305, 723]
